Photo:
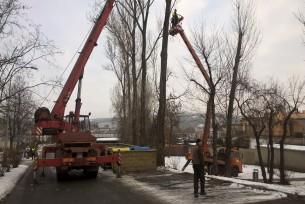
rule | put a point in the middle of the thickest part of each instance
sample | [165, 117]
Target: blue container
[139, 148]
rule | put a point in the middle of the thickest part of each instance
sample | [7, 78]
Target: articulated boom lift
[177, 29]
[75, 147]
[236, 163]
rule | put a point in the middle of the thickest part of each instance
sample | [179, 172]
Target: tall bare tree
[212, 53]
[252, 107]
[144, 7]
[245, 40]
[273, 111]
[123, 45]
[23, 45]
[162, 94]
[117, 50]
[19, 110]
[292, 99]
[129, 27]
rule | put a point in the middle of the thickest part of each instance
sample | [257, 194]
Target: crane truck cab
[235, 161]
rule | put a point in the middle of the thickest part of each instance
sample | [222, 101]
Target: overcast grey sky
[279, 55]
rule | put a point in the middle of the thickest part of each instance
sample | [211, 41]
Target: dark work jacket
[197, 155]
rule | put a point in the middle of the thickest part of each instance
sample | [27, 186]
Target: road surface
[76, 190]
[149, 188]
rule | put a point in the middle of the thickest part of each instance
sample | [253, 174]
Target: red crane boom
[53, 123]
[78, 70]
[75, 147]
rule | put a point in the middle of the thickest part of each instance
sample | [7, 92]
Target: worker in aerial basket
[176, 18]
[197, 158]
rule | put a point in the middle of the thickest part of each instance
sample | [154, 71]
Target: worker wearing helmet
[198, 167]
[176, 18]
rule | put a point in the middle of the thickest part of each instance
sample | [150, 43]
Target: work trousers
[198, 176]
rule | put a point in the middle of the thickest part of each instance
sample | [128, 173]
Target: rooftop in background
[298, 115]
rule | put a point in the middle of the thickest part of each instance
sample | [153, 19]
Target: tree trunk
[162, 97]
[215, 166]
[282, 160]
[129, 107]
[231, 105]
[134, 80]
[270, 142]
[124, 125]
[207, 125]
[11, 133]
[259, 153]
[143, 108]
[170, 141]
[282, 142]
[143, 89]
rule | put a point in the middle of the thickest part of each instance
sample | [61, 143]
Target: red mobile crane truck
[235, 160]
[75, 147]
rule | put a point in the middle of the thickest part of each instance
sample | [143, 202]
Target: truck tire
[61, 175]
[91, 172]
[234, 171]
[221, 170]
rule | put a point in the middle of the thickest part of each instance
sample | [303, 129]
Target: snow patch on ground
[283, 189]
[296, 187]
[176, 163]
[236, 185]
[221, 194]
[290, 147]
[248, 170]
[10, 179]
[297, 179]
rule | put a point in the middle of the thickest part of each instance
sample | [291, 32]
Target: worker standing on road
[34, 152]
[31, 153]
[198, 167]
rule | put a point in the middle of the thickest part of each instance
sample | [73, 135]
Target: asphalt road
[76, 190]
[109, 189]
[180, 186]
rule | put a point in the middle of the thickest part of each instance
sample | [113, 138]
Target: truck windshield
[84, 123]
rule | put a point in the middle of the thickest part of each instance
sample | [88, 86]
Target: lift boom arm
[178, 30]
[195, 56]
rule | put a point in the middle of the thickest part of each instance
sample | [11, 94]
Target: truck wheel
[221, 170]
[234, 171]
[61, 174]
[91, 172]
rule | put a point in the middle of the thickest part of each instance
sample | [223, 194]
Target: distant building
[296, 127]
[105, 128]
